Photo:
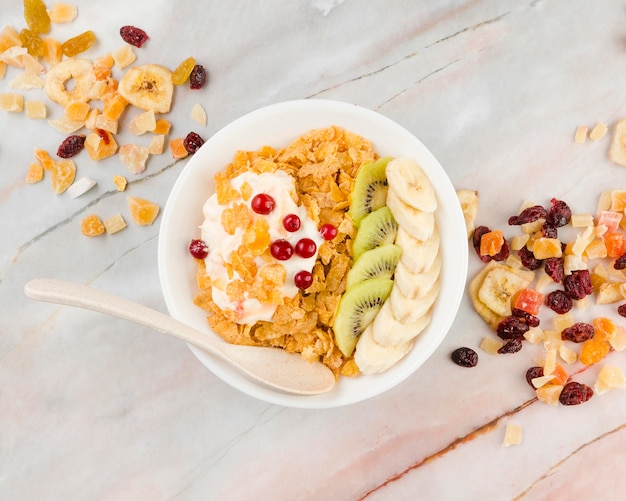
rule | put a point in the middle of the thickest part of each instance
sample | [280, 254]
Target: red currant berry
[281, 250]
[306, 247]
[198, 249]
[263, 203]
[291, 222]
[328, 231]
[303, 279]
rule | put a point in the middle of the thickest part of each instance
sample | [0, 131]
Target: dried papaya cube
[124, 56]
[12, 102]
[100, 144]
[604, 328]
[114, 224]
[594, 350]
[114, 105]
[77, 110]
[142, 212]
[62, 175]
[559, 375]
[44, 158]
[62, 13]
[615, 244]
[529, 300]
[36, 109]
[35, 173]
[142, 123]
[92, 226]
[9, 37]
[162, 126]
[491, 243]
[178, 148]
[544, 248]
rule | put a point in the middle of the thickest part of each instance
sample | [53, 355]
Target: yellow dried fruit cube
[572, 263]
[596, 249]
[534, 335]
[100, 144]
[142, 212]
[62, 13]
[563, 321]
[519, 241]
[120, 182]
[581, 134]
[162, 126]
[581, 220]
[62, 174]
[90, 121]
[609, 292]
[12, 102]
[549, 394]
[568, 355]
[52, 51]
[545, 248]
[92, 226]
[610, 377]
[134, 157]
[491, 345]
[65, 126]
[157, 143]
[36, 109]
[618, 199]
[618, 342]
[142, 123]
[35, 173]
[125, 56]
[104, 123]
[114, 224]
[77, 111]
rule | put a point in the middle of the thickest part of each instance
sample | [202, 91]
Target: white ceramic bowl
[278, 125]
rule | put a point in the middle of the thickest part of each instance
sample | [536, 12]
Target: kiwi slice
[357, 308]
[379, 262]
[377, 228]
[370, 189]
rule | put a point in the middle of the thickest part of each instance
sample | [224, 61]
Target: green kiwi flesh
[370, 189]
[379, 262]
[377, 228]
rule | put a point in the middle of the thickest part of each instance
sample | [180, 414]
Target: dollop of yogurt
[281, 187]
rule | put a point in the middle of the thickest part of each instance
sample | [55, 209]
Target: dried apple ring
[79, 70]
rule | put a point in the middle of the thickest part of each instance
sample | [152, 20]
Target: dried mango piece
[114, 105]
[593, 351]
[34, 174]
[604, 328]
[92, 226]
[9, 37]
[44, 159]
[77, 110]
[178, 149]
[100, 144]
[62, 13]
[142, 212]
[610, 377]
[162, 126]
[62, 175]
[52, 51]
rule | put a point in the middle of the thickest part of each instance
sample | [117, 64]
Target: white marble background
[95, 408]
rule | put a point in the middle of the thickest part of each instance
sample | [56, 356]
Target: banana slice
[469, 205]
[78, 70]
[407, 179]
[410, 310]
[420, 225]
[492, 288]
[389, 331]
[148, 87]
[416, 285]
[371, 357]
[417, 256]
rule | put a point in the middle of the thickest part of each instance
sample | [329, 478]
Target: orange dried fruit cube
[142, 212]
[615, 244]
[52, 51]
[62, 174]
[43, 157]
[114, 105]
[604, 329]
[77, 110]
[62, 13]
[92, 226]
[178, 148]
[594, 350]
[491, 243]
[618, 200]
[162, 126]
[100, 144]
[529, 300]
[35, 173]
[545, 248]
[609, 219]
[559, 375]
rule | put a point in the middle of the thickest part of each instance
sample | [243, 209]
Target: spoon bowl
[273, 367]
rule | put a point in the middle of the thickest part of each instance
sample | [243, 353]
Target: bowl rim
[289, 120]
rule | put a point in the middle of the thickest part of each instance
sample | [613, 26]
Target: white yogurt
[280, 186]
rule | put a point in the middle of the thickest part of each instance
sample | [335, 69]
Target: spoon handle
[83, 296]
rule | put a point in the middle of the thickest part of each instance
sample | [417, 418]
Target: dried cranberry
[559, 214]
[198, 77]
[621, 309]
[198, 249]
[478, 234]
[559, 302]
[578, 284]
[620, 262]
[528, 259]
[553, 266]
[511, 346]
[192, 142]
[511, 327]
[578, 333]
[465, 357]
[71, 145]
[134, 36]
[531, 320]
[532, 373]
[574, 393]
[549, 231]
[529, 215]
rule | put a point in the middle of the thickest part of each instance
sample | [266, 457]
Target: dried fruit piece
[198, 77]
[598, 132]
[114, 224]
[12, 102]
[578, 284]
[512, 435]
[181, 74]
[554, 268]
[34, 174]
[533, 373]
[559, 302]
[114, 105]
[65, 126]
[617, 152]
[62, 13]
[512, 328]
[125, 56]
[581, 134]
[593, 351]
[82, 186]
[62, 175]
[33, 42]
[549, 394]
[52, 51]
[559, 214]
[142, 212]
[142, 123]
[36, 16]
[134, 36]
[71, 145]
[9, 38]
[79, 72]
[177, 147]
[615, 244]
[605, 328]
[529, 215]
[79, 43]
[92, 226]
[578, 333]
[528, 259]
[491, 243]
[156, 145]
[44, 158]
[574, 393]
[120, 182]
[610, 377]
[192, 142]
[104, 123]
[529, 301]
[465, 357]
[148, 87]
[198, 114]
[162, 126]
[134, 156]
[77, 110]
[511, 346]
[35, 109]
[100, 144]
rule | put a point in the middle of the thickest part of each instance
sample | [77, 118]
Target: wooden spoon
[274, 367]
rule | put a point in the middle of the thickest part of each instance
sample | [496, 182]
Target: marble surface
[95, 408]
